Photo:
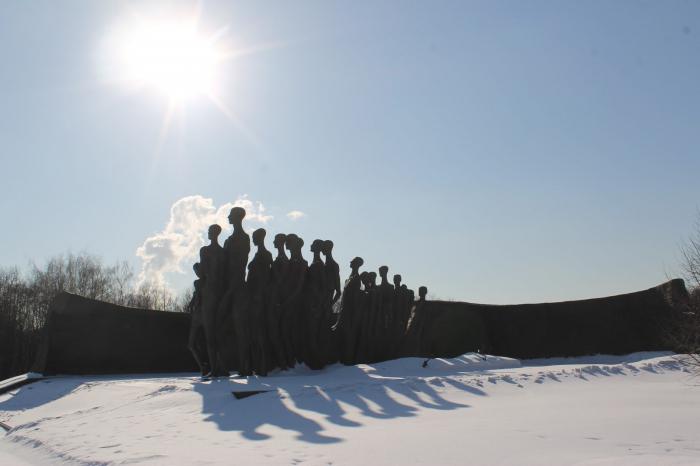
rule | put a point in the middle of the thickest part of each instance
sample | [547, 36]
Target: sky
[496, 152]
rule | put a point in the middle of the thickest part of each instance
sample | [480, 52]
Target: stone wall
[613, 325]
[84, 336]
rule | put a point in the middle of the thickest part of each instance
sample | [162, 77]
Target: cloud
[295, 215]
[176, 247]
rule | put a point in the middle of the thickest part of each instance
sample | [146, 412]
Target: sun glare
[174, 55]
[169, 56]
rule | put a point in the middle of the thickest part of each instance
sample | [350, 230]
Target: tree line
[26, 294]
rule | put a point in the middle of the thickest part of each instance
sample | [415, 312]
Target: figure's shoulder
[240, 237]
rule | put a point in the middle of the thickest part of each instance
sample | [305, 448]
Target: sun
[171, 57]
[174, 55]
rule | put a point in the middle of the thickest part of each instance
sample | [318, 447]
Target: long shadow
[249, 414]
[341, 387]
[37, 394]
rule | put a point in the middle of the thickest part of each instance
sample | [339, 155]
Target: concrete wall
[84, 336]
[613, 325]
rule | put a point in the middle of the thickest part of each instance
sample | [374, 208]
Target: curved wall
[84, 336]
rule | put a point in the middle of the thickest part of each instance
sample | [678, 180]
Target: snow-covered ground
[642, 408]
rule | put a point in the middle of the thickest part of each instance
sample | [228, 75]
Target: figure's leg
[209, 323]
[194, 345]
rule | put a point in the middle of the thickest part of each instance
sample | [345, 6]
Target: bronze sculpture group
[286, 311]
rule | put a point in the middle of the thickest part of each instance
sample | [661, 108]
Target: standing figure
[212, 262]
[252, 310]
[370, 323]
[385, 340]
[236, 249]
[350, 314]
[332, 272]
[313, 310]
[293, 291]
[329, 339]
[197, 342]
[401, 312]
[275, 297]
[414, 334]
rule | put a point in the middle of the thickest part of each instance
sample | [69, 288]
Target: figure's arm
[336, 289]
[203, 263]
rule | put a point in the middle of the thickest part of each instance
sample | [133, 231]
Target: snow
[17, 381]
[601, 410]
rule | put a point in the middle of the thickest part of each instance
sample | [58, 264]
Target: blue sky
[494, 151]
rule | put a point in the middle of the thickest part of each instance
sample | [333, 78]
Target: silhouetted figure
[371, 298]
[313, 309]
[329, 340]
[349, 321]
[332, 272]
[411, 296]
[275, 299]
[399, 302]
[416, 325]
[197, 341]
[292, 325]
[249, 313]
[372, 280]
[212, 261]
[236, 248]
[400, 313]
[385, 337]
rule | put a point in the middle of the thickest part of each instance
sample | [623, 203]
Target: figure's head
[327, 247]
[383, 270]
[316, 245]
[236, 216]
[197, 270]
[397, 280]
[364, 278]
[259, 236]
[291, 241]
[404, 287]
[279, 240]
[214, 231]
[372, 277]
[356, 263]
[422, 291]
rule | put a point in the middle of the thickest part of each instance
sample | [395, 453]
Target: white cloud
[295, 215]
[176, 247]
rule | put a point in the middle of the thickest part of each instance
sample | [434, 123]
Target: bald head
[214, 231]
[327, 247]
[236, 216]
[259, 236]
[422, 292]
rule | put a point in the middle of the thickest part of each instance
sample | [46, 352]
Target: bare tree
[685, 330]
[25, 299]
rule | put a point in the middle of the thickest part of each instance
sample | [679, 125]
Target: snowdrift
[474, 409]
